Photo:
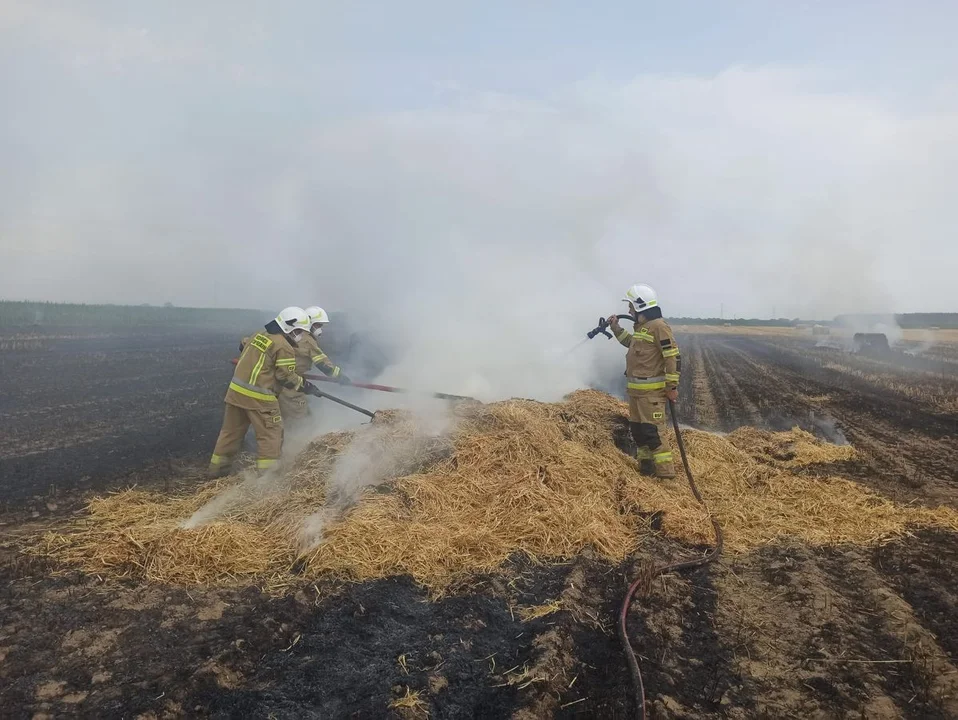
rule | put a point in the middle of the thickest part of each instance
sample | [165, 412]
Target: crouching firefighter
[652, 370]
[267, 362]
[293, 403]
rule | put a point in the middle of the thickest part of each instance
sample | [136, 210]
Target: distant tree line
[739, 322]
[861, 320]
[48, 314]
[29, 313]
[904, 320]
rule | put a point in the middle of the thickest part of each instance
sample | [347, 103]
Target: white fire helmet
[642, 297]
[317, 316]
[293, 318]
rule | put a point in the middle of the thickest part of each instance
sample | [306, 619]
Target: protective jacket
[266, 364]
[308, 354]
[653, 361]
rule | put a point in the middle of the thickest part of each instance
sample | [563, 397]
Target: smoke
[828, 427]
[476, 233]
[377, 453]
[253, 488]
[924, 339]
[843, 333]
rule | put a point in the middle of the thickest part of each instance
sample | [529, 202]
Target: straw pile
[517, 476]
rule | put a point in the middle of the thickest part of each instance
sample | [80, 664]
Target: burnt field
[84, 409]
[788, 630]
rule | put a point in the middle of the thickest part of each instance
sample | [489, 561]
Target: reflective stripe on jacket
[309, 353]
[653, 361]
[266, 363]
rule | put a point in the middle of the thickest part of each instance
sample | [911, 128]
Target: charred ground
[89, 410]
[789, 631]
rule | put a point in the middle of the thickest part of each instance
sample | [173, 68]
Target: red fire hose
[707, 558]
[382, 388]
[388, 388]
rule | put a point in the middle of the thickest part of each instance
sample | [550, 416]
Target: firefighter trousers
[647, 423]
[268, 426]
[293, 406]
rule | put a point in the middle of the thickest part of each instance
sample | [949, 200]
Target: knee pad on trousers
[645, 435]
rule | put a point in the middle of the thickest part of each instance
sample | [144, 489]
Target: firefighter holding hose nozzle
[652, 370]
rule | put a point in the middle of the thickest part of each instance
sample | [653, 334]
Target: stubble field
[789, 629]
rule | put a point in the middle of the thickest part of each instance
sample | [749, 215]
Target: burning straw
[520, 476]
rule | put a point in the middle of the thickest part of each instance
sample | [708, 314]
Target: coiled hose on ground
[707, 558]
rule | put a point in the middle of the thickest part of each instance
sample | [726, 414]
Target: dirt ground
[791, 631]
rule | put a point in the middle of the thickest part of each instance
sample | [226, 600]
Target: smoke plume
[478, 230]
[377, 453]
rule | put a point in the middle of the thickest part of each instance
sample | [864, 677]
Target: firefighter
[652, 370]
[293, 403]
[267, 361]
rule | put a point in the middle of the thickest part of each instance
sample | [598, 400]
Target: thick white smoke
[376, 454]
[482, 235]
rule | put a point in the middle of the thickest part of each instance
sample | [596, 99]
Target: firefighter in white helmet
[652, 370]
[293, 403]
[267, 362]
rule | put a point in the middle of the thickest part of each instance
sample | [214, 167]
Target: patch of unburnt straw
[544, 480]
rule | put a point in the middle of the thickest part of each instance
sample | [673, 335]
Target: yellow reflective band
[644, 334]
[219, 460]
[662, 457]
[265, 463]
[671, 377]
[319, 358]
[623, 335]
[643, 453]
[674, 352]
[647, 386]
[265, 397]
[286, 362]
[261, 343]
[256, 369]
[652, 303]
[336, 371]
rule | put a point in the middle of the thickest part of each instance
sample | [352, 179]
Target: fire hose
[316, 392]
[388, 388]
[709, 557]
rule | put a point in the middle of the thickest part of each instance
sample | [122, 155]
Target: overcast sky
[505, 159]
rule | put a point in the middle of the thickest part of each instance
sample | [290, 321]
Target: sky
[499, 166]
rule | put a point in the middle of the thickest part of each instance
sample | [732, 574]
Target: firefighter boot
[662, 460]
[219, 467]
[646, 464]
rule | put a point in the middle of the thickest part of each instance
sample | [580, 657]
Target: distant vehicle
[870, 343]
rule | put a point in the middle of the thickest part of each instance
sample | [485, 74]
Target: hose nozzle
[600, 329]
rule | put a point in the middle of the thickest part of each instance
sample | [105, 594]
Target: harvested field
[481, 577]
